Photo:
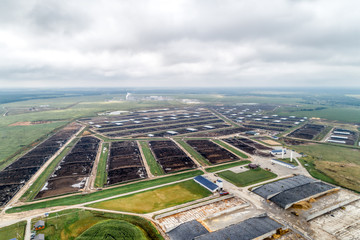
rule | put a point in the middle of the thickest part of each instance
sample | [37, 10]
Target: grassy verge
[323, 133]
[309, 163]
[155, 168]
[100, 179]
[77, 199]
[16, 230]
[247, 178]
[156, 199]
[203, 161]
[225, 119]
[40, 181]
[231, 149]
[70, 224]
[225, 166]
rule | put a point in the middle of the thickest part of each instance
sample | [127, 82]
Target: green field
[100, 179]
[343, 114]
[203, 161]
[77, 199]
[228, 165]
[154, 166]
[14, 140]
[71, 224]
[231, 149]
[113, 229]
[16, 230]
[34, 189]
[156, 199]
[334, 164]
[247, 178]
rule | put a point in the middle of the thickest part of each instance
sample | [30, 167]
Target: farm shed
[277, 151]
[288, 165]
[206, 183]
[258, 227]
[39, 225]
[287, 192]
[188, 230]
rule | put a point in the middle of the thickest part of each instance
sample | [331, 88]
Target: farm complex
[184, 172]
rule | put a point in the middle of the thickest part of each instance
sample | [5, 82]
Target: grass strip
[40, 181]
[155, 168]
[156, 199]
[101, 173]
[14, 231]
[78, 199]
[203, 161]
[323, 133]
[225, 166]
[247, 178]
[231, 149]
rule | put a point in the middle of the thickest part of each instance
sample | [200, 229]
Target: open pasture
[156, 199]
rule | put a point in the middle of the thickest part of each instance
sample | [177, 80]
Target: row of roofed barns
[304, 197]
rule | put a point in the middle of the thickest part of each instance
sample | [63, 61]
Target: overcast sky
[210, 43]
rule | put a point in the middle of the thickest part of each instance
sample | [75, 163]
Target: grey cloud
[179, 43]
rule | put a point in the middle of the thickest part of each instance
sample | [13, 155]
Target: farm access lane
[187, 153]
[328, 135]
[147, 168]
[89, 186]
[21, 192]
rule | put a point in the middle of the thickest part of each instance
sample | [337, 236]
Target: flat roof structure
[188, 230]
[288, 165]
[206, 183]
[39, 223]
[287, 198]
[340, 137]
[258, 227]
[172, 132]
[342, 132]
[336, 141]
[271, 189]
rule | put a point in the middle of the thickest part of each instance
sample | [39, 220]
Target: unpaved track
[228, 144]
[188, 154]
[91, 181]
[150, 175]
[38, 173]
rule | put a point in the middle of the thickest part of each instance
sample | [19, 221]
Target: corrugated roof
[268, 190]
[288, 197]
[245, 230]
[187, 231]
[206, 183]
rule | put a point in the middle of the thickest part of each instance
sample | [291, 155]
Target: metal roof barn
[206, 183]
